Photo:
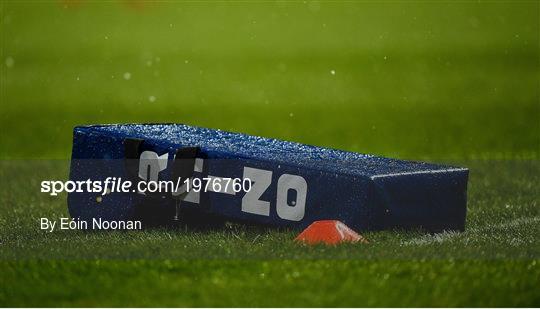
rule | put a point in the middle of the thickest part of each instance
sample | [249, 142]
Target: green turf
[494, 263]
[444, 82]
[274, 283]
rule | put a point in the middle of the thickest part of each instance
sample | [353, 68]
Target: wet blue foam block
[291, 184]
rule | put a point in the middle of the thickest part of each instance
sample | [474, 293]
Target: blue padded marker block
[294, 184]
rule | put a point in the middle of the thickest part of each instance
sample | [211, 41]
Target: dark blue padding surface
[363, 191]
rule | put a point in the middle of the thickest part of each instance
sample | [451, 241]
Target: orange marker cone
[330, 232]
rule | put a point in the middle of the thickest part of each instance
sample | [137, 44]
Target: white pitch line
[448, 235]
[514, 223]
[431, 239]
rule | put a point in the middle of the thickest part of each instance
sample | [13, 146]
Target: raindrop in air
[10, 62]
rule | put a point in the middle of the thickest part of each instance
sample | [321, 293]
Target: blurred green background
[413, 80]
[431, 80]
